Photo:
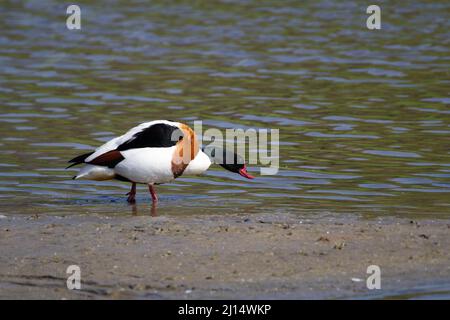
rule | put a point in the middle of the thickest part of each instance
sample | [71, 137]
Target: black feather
[159, 135]
[79, 159]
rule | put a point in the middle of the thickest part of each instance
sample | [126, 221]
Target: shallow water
[432, 291]
[363, 115]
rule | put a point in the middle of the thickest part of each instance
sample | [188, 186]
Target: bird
[154, 153]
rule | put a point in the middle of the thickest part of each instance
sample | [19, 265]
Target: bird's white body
[151, 153]
[148, 165]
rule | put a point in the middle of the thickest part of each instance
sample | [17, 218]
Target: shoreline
[263, 256]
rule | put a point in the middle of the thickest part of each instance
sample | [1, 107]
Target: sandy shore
[263, 256]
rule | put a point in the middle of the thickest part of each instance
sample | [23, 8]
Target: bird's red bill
[243, 172]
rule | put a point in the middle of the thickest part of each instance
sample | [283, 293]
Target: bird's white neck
[199, 165]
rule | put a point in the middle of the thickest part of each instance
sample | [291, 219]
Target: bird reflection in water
[153, 210]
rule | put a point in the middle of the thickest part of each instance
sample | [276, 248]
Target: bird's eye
[180, 138]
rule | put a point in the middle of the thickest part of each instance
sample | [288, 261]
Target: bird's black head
[228, 160]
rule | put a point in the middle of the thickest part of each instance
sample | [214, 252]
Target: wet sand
[230, 256]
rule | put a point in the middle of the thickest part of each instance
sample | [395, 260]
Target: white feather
[91, 172]
[147, 165]
[199, 165]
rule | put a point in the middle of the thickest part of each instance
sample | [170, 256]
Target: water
[363, 115]
[429, 291]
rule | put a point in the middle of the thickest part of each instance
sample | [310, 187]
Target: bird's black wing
[159, 135]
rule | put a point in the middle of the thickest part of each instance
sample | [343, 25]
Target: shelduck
[153, 153]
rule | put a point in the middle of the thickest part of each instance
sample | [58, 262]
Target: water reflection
[153, 210]
[363, 116]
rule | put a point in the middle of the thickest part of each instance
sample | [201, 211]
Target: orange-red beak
[243, 172]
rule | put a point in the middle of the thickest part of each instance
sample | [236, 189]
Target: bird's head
[228, 160]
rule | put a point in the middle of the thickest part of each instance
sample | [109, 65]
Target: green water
[363, 115]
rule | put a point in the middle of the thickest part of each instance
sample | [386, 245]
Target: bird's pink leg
[153, 211]
[152, 190]
[132, 194]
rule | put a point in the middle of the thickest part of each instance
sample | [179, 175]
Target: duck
[154, 153]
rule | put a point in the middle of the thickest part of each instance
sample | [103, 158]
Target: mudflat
[262, 256]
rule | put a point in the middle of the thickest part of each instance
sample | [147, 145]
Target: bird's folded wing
[154, 134]
[108, 159]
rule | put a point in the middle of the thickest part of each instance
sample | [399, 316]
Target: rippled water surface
[363, 115]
